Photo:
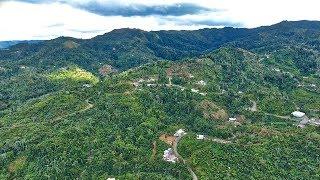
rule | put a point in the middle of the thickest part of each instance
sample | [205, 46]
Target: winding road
[175, 150]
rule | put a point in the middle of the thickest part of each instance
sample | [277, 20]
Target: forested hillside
[109, 107]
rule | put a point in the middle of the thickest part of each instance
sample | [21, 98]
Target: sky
[48, 19]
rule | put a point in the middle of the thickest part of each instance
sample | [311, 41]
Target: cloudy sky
[47, 19]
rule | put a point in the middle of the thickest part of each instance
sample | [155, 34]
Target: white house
[151, 85]
[315, 122]
[202, 83]
[180, 133]
[195, 90]
[87, 85]
[298, 114]
[169, 156]
[232, 119]
[200, 137]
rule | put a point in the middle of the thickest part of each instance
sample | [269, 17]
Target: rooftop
[298, 114]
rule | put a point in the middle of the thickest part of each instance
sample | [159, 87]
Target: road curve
[175, 150]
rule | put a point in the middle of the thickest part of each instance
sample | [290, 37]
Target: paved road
[175, 150]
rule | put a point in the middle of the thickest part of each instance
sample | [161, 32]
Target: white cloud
[48, 20]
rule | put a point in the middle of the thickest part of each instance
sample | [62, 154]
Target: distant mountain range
[126, 48]
[7, 44]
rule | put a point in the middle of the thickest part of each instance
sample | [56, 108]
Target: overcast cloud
[46, 19]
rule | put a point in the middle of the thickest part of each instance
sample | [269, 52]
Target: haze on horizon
[47, 19]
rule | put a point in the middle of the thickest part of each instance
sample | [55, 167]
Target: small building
[202, 83]
[203, 94]
[276, 69]
[180, 133]
[298, 114]
[232, 119]
[169, 156]
[200, 137]
[151, 80]
[136, 84]
[111, 179]
[195, 90]
[87, 85]
[151, 85]
[23, 67]
[315, 122]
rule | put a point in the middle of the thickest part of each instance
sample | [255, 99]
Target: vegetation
[61, 118]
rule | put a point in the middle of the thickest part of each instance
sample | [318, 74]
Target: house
[200, 137]
[232, 119]
[298, 114]
[304, 121]
[151, 85]
[315, 122]
[202, 83]
[203, 94]
[195, 90]
[151, 80]
[276, 69]
[180, 133]
[87, 85]
[169, 156]
[111, 179]
[136, 84]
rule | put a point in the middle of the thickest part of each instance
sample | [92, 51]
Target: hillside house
[315, 122]
[298, 114]
[232, 119]
[202, 83]
[169, 156]
[200, 137]
[195, 90]
[87, 85]
[180, 133]
[151, 85]
[203, 94]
